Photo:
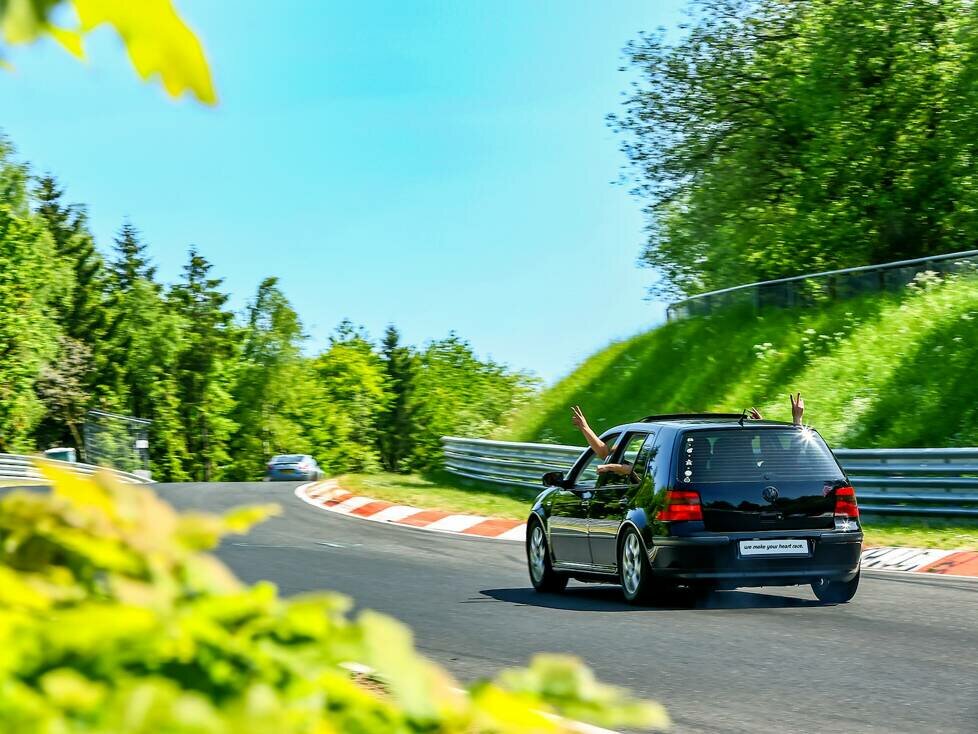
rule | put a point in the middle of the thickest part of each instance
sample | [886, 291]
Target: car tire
[638, 585]
[542, 574]
[836, 592]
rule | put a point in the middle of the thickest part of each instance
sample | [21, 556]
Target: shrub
[115, 618]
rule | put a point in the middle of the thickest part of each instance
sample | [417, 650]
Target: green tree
[132, 263]
[81, 313]
[62, 387]
[30, 282]
[354, 387]
[273, 383]
[396, 426]
[459, 394]
[79, 309]
[779, 138]
[143, 346]
[205, 368]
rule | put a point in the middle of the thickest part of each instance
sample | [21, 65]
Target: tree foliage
[30, 282]
[779, 138]
[397, 435]
[351, 376]
[224, 392]
[205, 367]
[115, 619]
[159, 43]
[461, 395]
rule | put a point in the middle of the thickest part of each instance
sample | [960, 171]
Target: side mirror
[553, 479]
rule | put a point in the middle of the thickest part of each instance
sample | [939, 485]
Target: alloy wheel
[631, 568]
[538, 553]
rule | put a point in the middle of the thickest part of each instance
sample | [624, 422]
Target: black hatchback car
[712, 501]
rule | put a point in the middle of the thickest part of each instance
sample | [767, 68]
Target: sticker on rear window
[688, 460]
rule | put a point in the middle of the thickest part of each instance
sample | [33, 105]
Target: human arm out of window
[597, 445]
[797, 408]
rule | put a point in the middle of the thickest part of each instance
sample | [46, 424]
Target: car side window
[644, 460]
[634, 452]
[587, 474]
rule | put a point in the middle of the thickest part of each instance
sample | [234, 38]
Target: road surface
[902, 657]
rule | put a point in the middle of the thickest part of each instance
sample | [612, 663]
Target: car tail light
[845, 502]
[681, 504]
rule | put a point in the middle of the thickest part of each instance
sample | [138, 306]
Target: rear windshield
[288, 459]
[760, 454]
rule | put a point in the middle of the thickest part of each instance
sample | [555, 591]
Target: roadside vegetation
[887, 370]
[224, 390]
[773, 138]
[114, 617]
[935, 533]
[441, 490]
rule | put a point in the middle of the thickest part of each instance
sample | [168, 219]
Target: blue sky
[439, 165]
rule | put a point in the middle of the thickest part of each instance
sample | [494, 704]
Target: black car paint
[686, 552]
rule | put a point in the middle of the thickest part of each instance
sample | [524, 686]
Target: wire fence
[831, 285]
[117, 441]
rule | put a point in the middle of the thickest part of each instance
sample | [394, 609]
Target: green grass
[948, 535]
[444, 491]
[875, 371]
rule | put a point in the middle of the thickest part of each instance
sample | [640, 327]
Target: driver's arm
[624, 469]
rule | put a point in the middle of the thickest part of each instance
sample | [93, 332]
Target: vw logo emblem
[770, 494]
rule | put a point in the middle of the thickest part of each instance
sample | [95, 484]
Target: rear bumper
[716, 560]
[274, 476]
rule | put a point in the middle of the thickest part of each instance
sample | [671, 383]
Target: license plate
[286, 471]
[779, 547]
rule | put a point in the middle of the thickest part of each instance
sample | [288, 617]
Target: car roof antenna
[743, 417]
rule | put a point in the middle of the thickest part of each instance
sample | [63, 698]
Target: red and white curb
[328, 495]
[921, 560]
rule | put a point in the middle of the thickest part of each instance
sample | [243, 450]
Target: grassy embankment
[881, 370]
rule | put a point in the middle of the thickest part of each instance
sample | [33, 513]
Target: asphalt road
[902, 657]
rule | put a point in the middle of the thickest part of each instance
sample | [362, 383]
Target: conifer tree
[396, 426]
[81, 314]
[132, 263]
[68, 380]
[30, 280]
[204, 367]
[143, 344]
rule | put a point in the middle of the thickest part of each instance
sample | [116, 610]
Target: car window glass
[629, 454]
[588, 474]
[287, 459]
[641, 462]
[632, 447]
[762, 455]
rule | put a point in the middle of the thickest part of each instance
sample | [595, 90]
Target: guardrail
[16, 466]
[912, 482]
[829, 285]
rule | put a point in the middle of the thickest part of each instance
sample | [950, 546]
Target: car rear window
[288, 459]
[759, 454]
